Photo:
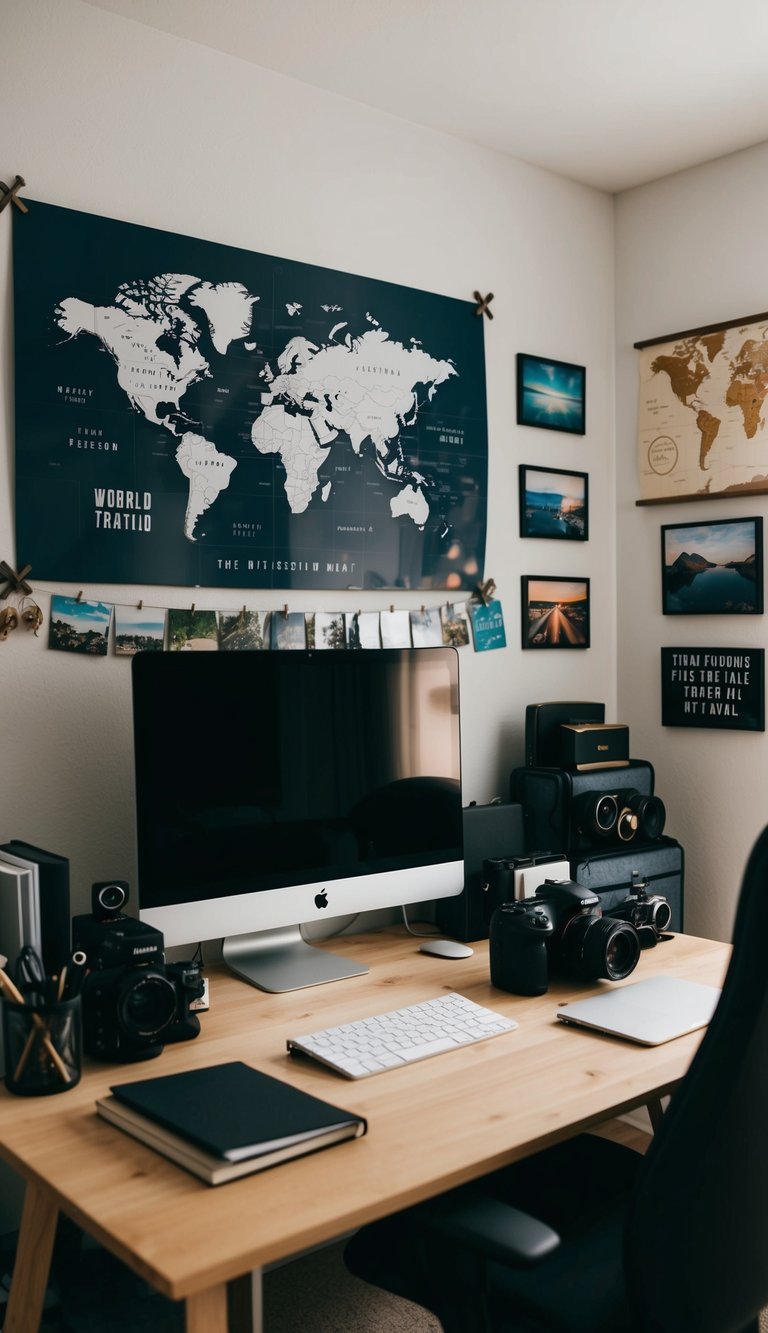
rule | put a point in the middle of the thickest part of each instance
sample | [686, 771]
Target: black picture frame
[551, 394]
[555, 612]
[554, 503]
[718, 689]
[712, 569]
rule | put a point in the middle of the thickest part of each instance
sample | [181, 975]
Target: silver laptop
[649, 1012]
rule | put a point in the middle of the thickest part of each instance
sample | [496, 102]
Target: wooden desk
[431, 1126]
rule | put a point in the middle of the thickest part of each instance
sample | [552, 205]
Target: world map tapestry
[192, 414]
[702, 412]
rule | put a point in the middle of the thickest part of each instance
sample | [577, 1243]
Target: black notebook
[226, 1120]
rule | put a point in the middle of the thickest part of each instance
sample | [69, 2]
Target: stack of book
[226, 1120]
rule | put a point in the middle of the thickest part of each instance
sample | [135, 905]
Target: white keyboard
[388, 1041]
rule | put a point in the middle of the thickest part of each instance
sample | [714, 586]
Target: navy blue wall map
[192, 414]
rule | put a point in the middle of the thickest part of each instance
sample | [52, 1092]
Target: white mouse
[446, 948]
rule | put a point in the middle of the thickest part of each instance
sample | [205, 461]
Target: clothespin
[485, 592]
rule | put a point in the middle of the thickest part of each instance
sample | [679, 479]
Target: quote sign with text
[713, 687]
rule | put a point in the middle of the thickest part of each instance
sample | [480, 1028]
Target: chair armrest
[497, 1229]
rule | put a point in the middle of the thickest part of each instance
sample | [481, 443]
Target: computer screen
[280, 787]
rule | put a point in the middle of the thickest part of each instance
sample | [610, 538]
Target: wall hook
[10, 195]
[16, 582]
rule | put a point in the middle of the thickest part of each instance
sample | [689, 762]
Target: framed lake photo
[555, 612]
[551, 394]
[554, 503]
[711, 569]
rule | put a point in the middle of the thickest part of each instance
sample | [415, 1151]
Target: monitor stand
[282, 960]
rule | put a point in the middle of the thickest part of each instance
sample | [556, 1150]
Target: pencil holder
[43, 1047]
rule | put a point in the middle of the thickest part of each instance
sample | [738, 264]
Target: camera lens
[111, 896]
[661, 913]
[605, 813]
[596, 813]
[599, 946]
[146, 1003]
[650, 810]
[626, 824]
[622, 949]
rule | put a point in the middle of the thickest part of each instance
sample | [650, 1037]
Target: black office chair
[675, 1241]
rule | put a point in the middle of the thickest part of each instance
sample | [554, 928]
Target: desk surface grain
[432, 1125]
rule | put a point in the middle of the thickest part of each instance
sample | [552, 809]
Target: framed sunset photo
[555, 612]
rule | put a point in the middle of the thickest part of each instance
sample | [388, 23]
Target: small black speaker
[587, 745]
[542, 729]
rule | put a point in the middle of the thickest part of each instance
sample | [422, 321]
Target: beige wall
[101, 114]
[688, 253]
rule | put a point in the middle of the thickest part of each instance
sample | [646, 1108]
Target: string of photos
[83, 625]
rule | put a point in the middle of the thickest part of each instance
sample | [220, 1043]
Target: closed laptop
[650, 1012]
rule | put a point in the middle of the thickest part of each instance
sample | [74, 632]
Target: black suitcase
[547, 796]
[611, 875]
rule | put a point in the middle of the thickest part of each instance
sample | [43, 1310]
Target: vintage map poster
[192, 414]
[702, 413]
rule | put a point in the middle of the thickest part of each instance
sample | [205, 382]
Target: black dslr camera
[562, 929]
[133, 1002]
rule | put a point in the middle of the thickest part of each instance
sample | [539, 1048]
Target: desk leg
[234, 1306]
[655, 1112]
[207, 1312]
[33, 1261]
[245, 1304]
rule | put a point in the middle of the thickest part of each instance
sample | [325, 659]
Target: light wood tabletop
[432, 1125]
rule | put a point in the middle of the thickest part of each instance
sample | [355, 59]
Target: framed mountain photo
[712, 569]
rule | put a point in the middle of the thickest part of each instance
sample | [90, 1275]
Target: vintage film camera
[133, 1002]
[589, 812]
[562, 929]
[649, 913]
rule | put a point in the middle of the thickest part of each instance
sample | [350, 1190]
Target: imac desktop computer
[280, 787]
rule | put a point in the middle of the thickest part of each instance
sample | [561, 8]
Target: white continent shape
[208, 472]
[365, 387]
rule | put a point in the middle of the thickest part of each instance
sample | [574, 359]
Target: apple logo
[321, 898]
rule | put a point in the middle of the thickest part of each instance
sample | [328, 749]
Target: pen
[7, 986]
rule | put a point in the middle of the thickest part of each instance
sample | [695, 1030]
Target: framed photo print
[551, 394]
[554, 503]
[555, 612]
[712, 569]
[717, 688]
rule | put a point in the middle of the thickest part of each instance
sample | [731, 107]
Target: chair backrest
[696, 1234]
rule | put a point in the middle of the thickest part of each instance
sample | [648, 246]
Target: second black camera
[562, 929]
[133, 1002]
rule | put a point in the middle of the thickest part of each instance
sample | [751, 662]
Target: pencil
[15, 994]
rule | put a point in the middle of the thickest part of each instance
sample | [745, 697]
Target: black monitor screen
[262, 770]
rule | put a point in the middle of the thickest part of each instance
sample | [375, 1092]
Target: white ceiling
[609, 92]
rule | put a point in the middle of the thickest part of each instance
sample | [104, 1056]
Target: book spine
[53, 904]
